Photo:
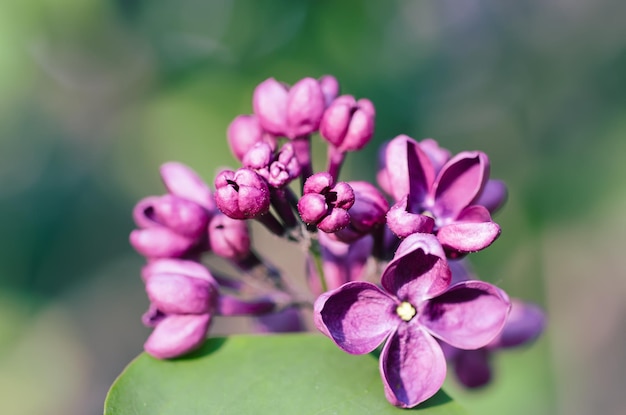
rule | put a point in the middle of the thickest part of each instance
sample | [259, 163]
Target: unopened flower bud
[348, 124]
[325, 204]
[289, 112]
[242, 194]
[284, 168]
[179, 215]
[229, 238]
[258, 157]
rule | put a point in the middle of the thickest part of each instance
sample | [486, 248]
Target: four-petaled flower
[415, 305]
[443, 201]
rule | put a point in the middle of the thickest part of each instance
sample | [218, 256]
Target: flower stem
[317, 259]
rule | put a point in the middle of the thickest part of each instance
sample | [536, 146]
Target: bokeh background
[95, 95]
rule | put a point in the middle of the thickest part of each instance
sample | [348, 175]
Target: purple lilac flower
[415, 306]
[440, 202]
[325, 204]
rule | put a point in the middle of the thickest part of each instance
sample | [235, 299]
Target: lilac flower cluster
[386, 267]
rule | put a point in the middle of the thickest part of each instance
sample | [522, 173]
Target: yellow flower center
[406, 311]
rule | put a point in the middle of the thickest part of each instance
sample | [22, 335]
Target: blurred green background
[95, 95]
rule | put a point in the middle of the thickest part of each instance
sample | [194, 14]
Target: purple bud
[244, 132]
[179, 215]
[278, 169]
[324, 204]
[348, 124]
[229, 238]
[284, 168]
[258, 157]
[185, 183]
[242, 194]
[291, 113]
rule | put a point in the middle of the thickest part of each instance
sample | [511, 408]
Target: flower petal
[468, 236]
[270, 106]
[468, 315]
[160, 243]
[179, 294]
[408, 168]
[493, 196]
[182, 181]
[404, 223]
[357, 316]
[412, 366]
[459, 182]
[176, 335]
[418, 270]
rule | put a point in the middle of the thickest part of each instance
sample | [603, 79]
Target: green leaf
[277, 374]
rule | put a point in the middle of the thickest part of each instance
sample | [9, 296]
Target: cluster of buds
[384, 267]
